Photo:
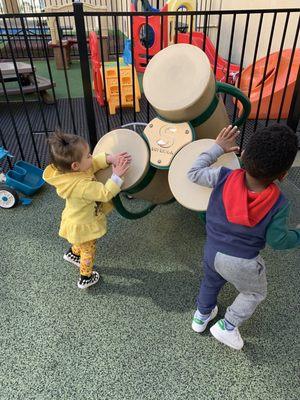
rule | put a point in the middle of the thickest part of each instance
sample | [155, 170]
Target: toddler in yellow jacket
[87, 201]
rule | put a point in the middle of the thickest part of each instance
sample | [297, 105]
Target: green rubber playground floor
[130, 336]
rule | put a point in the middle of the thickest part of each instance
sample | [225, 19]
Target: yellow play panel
[126, 86]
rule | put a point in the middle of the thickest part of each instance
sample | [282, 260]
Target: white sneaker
[199, 325]
[72, 258]
[232, 338]
[92, 280]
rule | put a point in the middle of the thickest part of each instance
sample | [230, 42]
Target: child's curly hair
[270, 152]
[65, 148]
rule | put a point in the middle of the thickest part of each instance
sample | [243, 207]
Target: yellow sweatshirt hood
[64, 182]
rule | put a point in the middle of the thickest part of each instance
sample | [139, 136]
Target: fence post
[85, 71]
[294, 114]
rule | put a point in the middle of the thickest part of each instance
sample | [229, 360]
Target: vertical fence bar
[176, 28]
[85, 72]
[132, 68]
[118, 69]
[277, 66]
[230, 50]
[50, 72]
[162, 32]
[242, 60]
[294, 114]
[34, 77]
[289, 70]
[4, 44]
[13, 36]
[147, 60]
[265, 69]
[65, 73]
[13, 121]
[103, 74]
[23, 98]
[191, 29]
[252, 72]
[5, 146]
[218, 43]
[204, 31]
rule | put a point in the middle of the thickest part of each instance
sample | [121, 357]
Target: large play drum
[121, 140]
[187, 193]
[142, 180]
[180, 84]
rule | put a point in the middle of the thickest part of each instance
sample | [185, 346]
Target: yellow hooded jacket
[84, 216]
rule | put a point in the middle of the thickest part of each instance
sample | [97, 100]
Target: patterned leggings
[86, 251]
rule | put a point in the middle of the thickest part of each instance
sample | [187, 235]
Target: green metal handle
[128, 214]
[235, 92]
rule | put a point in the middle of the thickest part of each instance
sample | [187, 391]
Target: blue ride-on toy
[24, 178]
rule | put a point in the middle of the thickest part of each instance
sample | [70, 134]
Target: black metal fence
[56, 89]
[36, 27]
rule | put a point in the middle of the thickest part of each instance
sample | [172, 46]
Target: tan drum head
[176, 78]
[187, 193]
[125, 140]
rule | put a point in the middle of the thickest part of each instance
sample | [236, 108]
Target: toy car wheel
[8, 197]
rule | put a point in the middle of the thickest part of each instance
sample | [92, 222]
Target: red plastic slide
[275, 70]
[210, 51]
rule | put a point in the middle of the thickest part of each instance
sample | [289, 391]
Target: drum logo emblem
[166, 136]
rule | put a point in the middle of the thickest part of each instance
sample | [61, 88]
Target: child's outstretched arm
[201, 172]
[97, 191]
[279, 236]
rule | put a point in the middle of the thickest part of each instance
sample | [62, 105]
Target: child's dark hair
[65, 149]
[270, 152]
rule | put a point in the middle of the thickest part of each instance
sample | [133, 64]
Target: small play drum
[187, 193]
[121, 140]
[180, 84]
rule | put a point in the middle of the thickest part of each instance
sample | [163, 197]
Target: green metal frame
[233, 91]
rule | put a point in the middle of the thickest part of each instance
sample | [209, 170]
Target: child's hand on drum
[122, 166]
[226, 139]
[114, 158]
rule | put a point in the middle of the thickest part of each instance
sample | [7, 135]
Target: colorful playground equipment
[275, 81]
[183, 24]
[112, 80]
[147, 36]
[180, 85]
[24, 178]
[148, 41]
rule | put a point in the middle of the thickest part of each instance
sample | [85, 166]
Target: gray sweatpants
[248, 276]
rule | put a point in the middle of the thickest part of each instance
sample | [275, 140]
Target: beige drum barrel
[121, 140]
[158, 190]
[180, 85]
[187, 193]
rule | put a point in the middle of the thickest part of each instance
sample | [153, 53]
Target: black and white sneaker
[72, 258]
[84, 283]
